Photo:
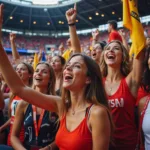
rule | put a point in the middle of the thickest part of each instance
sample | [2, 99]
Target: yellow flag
[131, 20]
[36, 60]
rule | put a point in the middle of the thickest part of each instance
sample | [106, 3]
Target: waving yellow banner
[131, 21]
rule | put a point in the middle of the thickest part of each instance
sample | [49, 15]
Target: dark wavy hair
[62, 59]
[30, 70]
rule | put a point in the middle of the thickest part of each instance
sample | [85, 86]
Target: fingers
[75, 6]
[12, 35]
[1, 9]
[71, 11]
[1, 12]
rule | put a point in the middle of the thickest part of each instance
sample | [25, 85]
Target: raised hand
[61, 47]
[71, 14]
[1, 14]
[95, 34]
[12, 36]
[122, 33]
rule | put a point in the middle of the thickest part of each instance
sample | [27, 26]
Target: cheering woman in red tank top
[121, 87]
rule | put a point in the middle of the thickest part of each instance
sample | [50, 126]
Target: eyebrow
[42, 69]
[21, 67]
[74, 63]
[113, 47]
[97, 47]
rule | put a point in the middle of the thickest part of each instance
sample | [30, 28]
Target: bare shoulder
[23, 105]
[98, 111]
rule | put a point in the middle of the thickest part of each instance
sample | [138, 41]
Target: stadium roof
[42, 3]
[91, 13]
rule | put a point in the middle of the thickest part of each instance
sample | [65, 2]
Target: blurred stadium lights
[46, 2]
[104, 27]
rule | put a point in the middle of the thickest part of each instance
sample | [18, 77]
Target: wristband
[94, 40]
[71, 24]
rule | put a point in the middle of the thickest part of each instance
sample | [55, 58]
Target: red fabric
[122, 105]
[141, 94]
[14, 104]
[114, 35]
[78, 139]
[7, 90]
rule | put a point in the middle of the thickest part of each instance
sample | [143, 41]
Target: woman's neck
[41, 89]
[114, 74]
[78, 100]
[58, 80]
[58, 75]
[26, 82]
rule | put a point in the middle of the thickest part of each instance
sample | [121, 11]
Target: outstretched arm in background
[16, 56]
[95, 37]
[71, 18]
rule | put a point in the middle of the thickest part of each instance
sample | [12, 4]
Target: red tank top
[14, 104]
[122, 105]
[79, 139]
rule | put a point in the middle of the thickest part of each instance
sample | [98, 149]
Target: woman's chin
[66, 86]
[111, 63]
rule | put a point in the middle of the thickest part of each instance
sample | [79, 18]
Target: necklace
[73, 112]
[108, 88]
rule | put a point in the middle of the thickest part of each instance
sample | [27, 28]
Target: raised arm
[40, 55]
[95, 36]
[71, 18]
[134, 78]
[15, 53]
[17, 87]
[61, 49]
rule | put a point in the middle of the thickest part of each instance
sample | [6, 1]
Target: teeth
[38, 79]
[110, 57]
[68, 77]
